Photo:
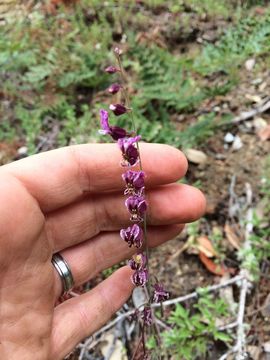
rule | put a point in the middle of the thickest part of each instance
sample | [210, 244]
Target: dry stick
[246, 115]
[241, 338]
[240, 345]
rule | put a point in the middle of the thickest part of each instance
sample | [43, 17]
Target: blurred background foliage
[52, 62]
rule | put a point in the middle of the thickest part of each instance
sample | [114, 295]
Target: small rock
[196, 156]
[266, 347]
[229, 138]
[237, 144]
[259, 123]
[22, 150]
[257, 81]
[249, 64]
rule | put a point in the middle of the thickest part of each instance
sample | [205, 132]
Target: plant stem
[128, 104]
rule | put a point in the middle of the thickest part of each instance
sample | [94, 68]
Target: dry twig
[246, 115]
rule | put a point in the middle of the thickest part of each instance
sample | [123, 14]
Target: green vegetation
[193, 329]
[52, 71]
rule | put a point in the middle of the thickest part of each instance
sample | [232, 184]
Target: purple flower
[115, 131]
[147, 316]
[134, 182]
[129, 151]
[139, 277]
[118, 109]
[133, 235]
[160, 294]
[137, 262]
[137, 206]
[111, 69]
[114, 88]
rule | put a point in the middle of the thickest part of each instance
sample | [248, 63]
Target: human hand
[71, 201]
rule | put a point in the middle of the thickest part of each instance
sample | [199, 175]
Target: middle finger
[169, 204]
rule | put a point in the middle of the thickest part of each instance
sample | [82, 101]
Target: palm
[70, 200]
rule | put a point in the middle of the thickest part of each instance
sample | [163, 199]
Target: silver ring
[64, 272]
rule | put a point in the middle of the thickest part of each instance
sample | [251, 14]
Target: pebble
[22, 150]
[196, 156]
[237, 144]
[266, 347]
[249, 64]
[229, 138]
[257, 81]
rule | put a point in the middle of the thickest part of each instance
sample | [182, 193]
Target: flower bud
[118, 109]
[114, 88]
[111, 69]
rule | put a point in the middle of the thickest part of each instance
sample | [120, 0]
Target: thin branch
[240, 346]
[246, 115]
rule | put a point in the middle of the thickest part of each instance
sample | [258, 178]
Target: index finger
[59, 177]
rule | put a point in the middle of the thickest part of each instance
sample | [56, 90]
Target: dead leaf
[216, 269]
[254, 352]
[253, 98]
[205, 246]
[232, 237]
[196, 156]
[260, 10]
[264, 134]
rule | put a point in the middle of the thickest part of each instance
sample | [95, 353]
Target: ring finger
[106, 249]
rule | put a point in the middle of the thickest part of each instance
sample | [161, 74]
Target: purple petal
[140, 277]
[104, 120]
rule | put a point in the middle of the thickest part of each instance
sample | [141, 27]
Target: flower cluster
[135, 202]
[134, 179]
